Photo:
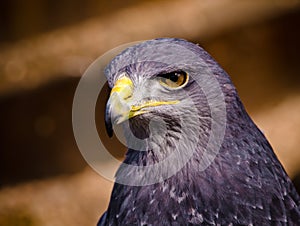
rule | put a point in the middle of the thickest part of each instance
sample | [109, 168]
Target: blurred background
[45, 46]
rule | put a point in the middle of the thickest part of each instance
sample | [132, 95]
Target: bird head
[148, 92]
[168, 96]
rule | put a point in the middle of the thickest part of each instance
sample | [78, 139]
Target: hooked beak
[119, 107]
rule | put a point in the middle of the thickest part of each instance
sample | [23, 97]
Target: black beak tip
[109, 129]
[108, 124]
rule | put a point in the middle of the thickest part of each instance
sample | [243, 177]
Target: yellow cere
[123, 86]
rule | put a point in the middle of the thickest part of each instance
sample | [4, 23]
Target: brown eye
[173, 79]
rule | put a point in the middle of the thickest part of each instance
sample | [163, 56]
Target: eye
[173, 79]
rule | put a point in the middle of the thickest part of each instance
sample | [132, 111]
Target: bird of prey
[170, 94]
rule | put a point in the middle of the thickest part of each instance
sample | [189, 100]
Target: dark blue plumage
[244, 185]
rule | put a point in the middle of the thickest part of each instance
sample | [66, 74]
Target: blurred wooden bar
[68, 51]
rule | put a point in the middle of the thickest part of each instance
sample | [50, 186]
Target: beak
[117, 107]
[120, 107]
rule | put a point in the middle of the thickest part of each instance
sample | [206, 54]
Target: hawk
[173, 99]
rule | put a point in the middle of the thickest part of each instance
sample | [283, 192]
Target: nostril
[126, 98]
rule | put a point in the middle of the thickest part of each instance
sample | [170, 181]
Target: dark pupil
[174, 77]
